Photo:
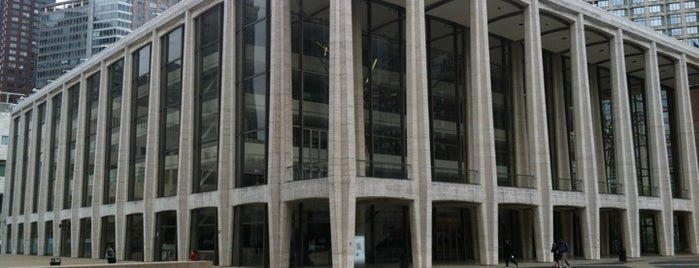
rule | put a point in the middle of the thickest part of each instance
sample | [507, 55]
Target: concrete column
[344, 64]
[584, 139]
[100, 153]
[61, 159]
[538, 156]
[562, 168]
[623, 143]
[186, 159]
[227, 135]
[687, 148]
[152, 149]
[481, 136]
[280, 140]
[659, 167]
[418, 132]
[519, 113]
[124, 155]
[80, 145]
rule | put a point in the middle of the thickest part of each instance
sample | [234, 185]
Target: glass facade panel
[250, 236]
[500, 81]
[12, 178]
[605, 105]
[452, 235]
[207, 90]
[311, 238]
[386, 230]
[33, 239]
[53, 153]
[134, 238]
[668, 103]
[649, 240]
[85, 241]
[165, 236]
[48, 238]
[447, 100]
[253, 92]
[39, 156]
[310, 83]
[139, 121]
[115, 82]
[20, 238]
[73, 104]
[107, 237]
[25, 159]
[171, 69]
[93, 92]
[65, 238]
[204, 233]
[383, 40]
[640, 135]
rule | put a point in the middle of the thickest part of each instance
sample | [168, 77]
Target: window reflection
[170, 110]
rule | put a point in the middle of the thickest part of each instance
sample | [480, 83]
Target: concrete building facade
[316, 133]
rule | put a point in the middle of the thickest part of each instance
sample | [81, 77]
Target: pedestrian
[556, 255]
[563, 250]
[109, 254]
[193, 255]
[509, 252]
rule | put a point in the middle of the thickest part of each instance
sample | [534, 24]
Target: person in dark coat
[509, 252]
[556, 255]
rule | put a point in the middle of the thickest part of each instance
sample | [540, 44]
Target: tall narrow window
[668, 103]
[383, 39]
[171, 92]
[20, 238]
[85, 242]
[204, 233]
[8, 237]
[39, 156]
[53, 159]
[65, 238]
[250, 235]
[25, 159]
[108, 234]
[207, 98]
[165, 236]
[15, 139]
[608, 184]
[134, 237]
[93, 92]
[140, 92]
[115, 81]
[48, 238]
[253, 91]
[501, 83]
[640, 136]
[447, 101]
[33, 239]
[310, 83]
[73, 104]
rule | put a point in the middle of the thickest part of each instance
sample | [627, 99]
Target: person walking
[509, 252]
[109, 254]
[556, 255]
[563, 250]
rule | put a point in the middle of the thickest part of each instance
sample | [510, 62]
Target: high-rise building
[676, 18]
[72, 31]
[144, 10]
[329, 133]
[17, 19]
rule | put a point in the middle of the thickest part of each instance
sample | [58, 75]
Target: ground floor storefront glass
[310, 234]
[165, 236]
[250, 236]
[452, 234]
[204, 233]
[386, 229]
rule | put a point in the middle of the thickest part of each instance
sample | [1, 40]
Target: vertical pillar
[124, 156]
[341, 139]
[184, 175]
[418, 136]
[584, 139]
[78, 172]
[99, 171]
[537, 130]
[227, 135]
[61, 158]
[152, 149]
[623, 143]
[659, 167]
[481, 135]
[687, 148]
[280, 129]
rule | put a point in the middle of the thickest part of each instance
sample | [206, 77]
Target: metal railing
[567, 184]
[648, 190]
[516, 180]
[389, 170]
[307, 171]
[455, 175]
[604, 187]
[680, 193]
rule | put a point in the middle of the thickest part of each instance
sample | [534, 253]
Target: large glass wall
[93, 92]
[668, 104]
[115, 84]
[108, 234]
[65, 238]
[8, 237]
[310, 234]
[680, 228]
[25, 159]
[171, 92]
[501, 86]
[48, 238]
[204, 233]
[207, 91]
[445, 54]
[73, 104]
[253, 91]
[165, 248]
[649, 239]
[608, 184]
[12, 179]
[53, 150]
[569, 116]
[134, 238]
[309, 46]
[33, 239]
[452, 234]
[385, 227]
[39, 156]
[640, 136]
[250, 235]
[20, 238]
[383, 39]
[140, 92]
[85, 238]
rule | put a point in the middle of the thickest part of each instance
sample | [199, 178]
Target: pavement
[681, 261]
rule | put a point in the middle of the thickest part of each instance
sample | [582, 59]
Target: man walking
[563, 250]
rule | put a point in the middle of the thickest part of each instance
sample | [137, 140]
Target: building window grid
[171, 92]
[139, 121]
[115, 82]
[25, 159]
[55, 141]
[71, 153]
[91, 115]
[39, 155]
[12, 178]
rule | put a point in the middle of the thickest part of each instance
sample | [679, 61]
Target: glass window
[692, 29]
[107, 234]
[640, 21]
[619, 2]
[48, 239]
[620, 12]
[675, 32]
[25, 164]
[53, 159]
[655, 9]
[204, 233]
[673, 6]
[12, 179]
[73, 104]
[165, 236]
[85, 241]
[602, 3]
[655, 21]
[171, 70]
[690, 4]
[139, 121]
[637, 10]
[637, 1]
[115, 81]
[250, 235]
[690, 17]
[674, 19]
[5, 140]
[39, 153]
[134, 237]
[93, 90]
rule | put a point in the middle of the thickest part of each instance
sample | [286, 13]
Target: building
[676, 18]
[16, 48]
[5, 119]
[327, 133]
[144, 11]
[72, 31]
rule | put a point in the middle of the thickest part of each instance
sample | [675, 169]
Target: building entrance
[452, 234]
[386, 228]
[310, 235]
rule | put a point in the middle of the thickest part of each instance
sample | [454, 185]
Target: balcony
[516, 180]
[566, 184]
[648, 190]
[388, 170]
[307, 171]
[455, 175]
[605, 187]
[680, 193]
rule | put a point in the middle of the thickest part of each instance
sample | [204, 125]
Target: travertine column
[124, 154]
[623, 143]
[280, 130]
[659, 167]
[537, 130]
[686, 146]
[152, 149]
[341, 139]
[584, 139]
[100, 148]
[418, 136]
[481, 136]
[186, 159]
[227, 133]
